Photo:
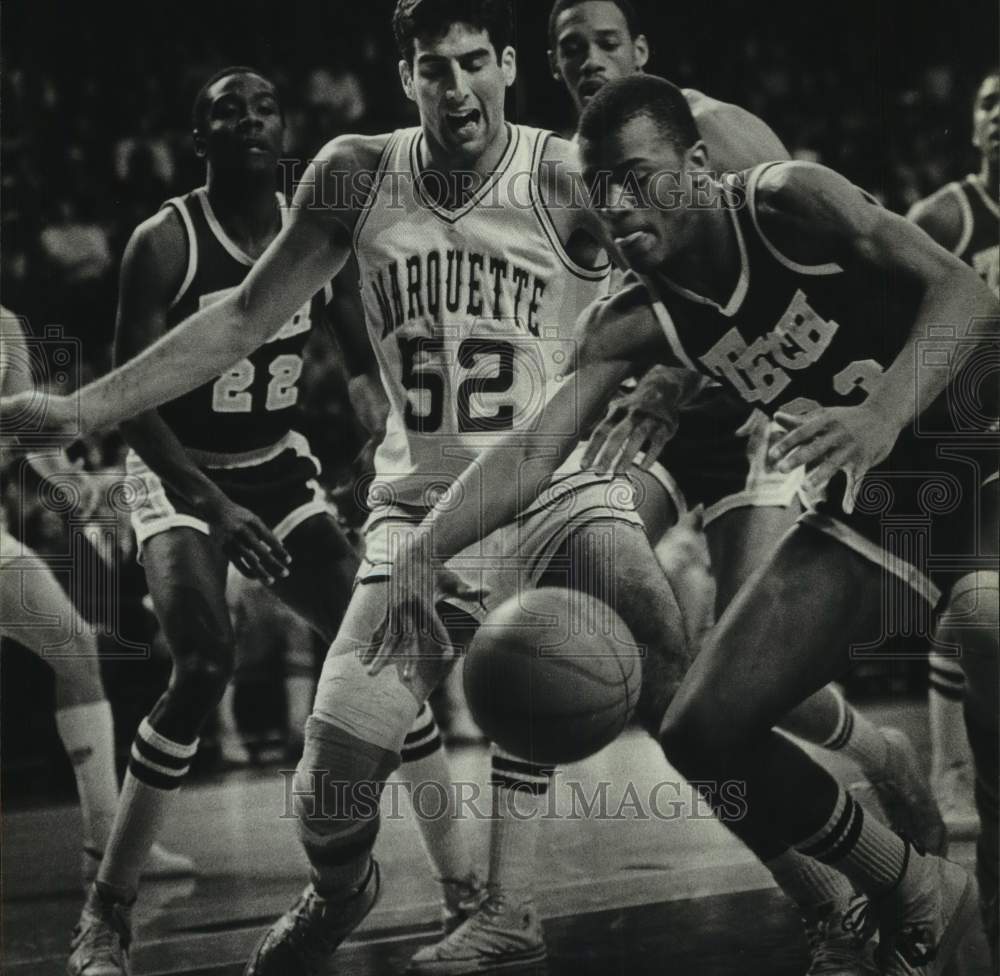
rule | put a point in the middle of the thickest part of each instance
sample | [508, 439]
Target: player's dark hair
[628, 11]
[619, 101]
[199, 111]
[433, 18]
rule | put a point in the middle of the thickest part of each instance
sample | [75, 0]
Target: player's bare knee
[199, 681]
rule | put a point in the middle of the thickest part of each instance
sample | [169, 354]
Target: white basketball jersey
[471, 312]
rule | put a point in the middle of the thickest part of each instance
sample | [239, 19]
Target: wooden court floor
[631, 894]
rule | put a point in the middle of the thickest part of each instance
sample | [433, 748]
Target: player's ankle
[506, 899]
[110, 894]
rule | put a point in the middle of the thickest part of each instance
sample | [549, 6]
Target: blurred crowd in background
[96, 134]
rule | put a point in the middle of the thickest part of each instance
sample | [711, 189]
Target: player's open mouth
[634, 241]
[590, 86]
[464, 124]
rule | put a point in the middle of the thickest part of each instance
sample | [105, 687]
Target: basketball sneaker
[160, 864]
[500, 936]
[461, 898]
[924, 918]
[301, 942]
[906, 797]
[101, 939]
[954, 790]
[839, 937]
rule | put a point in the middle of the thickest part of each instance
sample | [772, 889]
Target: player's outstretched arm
[815, 216]
[616, 334]
[309, 251]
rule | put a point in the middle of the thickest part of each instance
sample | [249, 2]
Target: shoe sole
[533, 957]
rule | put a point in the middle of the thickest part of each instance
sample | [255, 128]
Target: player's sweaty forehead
[594, 18]
[462, 42]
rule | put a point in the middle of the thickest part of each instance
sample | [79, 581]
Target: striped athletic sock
[156, 768]
[519, 794]
[427, 777]
[857, 738]
[866, 851]
[811, 884]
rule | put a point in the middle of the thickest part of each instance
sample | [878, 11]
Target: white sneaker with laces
[503, 935]
[101, 939]
[924, 919]
[461, 898]
[839, 940]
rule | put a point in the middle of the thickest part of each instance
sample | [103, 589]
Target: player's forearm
[197, 351]
[959, 300]
[153, 440]
[510, 475]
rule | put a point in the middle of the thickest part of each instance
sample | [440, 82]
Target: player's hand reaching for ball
[250, 545]
[832, 439]
[413, 631]
[644, 420]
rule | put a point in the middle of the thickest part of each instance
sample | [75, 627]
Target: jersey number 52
[426, 386]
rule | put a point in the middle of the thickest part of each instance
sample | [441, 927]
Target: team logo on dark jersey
[759, 372]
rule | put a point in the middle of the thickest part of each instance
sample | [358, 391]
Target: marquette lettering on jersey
[471, 311]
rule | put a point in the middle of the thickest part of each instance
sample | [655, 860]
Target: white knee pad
[378, 709]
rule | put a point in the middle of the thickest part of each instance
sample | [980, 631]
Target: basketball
[552, 675]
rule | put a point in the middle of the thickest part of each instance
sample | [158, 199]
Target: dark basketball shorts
[718, 459]
[278, 484]
[928, 514]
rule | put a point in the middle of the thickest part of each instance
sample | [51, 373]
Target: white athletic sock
[519, 795]
[811, 884]
[945, 700]
[433, 798]
[88, 735]
[863, 849]
[155, 770]
[858, 739]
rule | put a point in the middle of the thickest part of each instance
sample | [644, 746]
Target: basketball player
[309, 915]
[748, 504]
[471, 308]
[782, 290]
[224, 478]
[36, 612]
[964, 217]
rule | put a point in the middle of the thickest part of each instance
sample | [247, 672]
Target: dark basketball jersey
[794, 337]
[790, 337]
[253, 404]
[979, 244]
